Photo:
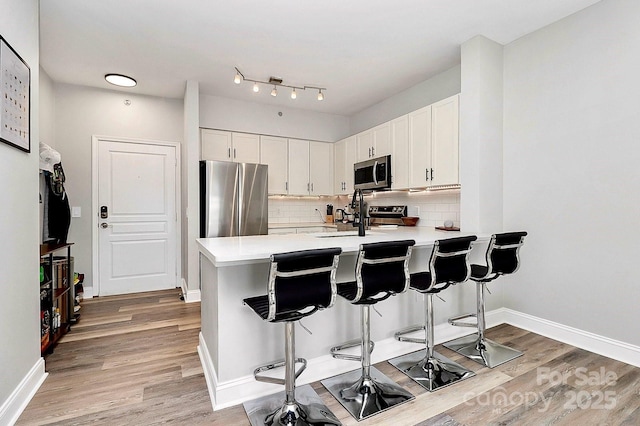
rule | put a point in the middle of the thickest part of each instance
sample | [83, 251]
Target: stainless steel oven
[373, 174]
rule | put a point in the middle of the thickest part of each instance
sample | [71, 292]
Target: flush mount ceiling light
[120, 80]
[275, 82]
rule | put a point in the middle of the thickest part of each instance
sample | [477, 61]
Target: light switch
[76, 211]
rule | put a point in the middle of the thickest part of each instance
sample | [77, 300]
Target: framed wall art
[15, 87]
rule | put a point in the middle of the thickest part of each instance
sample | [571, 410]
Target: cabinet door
[400, 153]
[298, 167]
[444, 131]
[321, 168]
[364, 145]
[339, 166]
[273, 153]
[381, 140]
[215, 145]
[420, 147]
[245, 148]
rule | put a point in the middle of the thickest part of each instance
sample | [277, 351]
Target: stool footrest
[278, 364]
[400, 335]
[457, 321]
[335, 351]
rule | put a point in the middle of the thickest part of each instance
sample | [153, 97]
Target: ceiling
[362, 51]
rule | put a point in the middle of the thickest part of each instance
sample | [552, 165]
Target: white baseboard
[190, 296]
[87, 292]
[591, 342]
[19, 399]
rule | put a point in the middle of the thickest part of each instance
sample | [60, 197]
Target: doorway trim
[95, 140]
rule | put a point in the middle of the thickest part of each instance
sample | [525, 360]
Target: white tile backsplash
[434, 207]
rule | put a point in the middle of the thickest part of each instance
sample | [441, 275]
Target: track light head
[294, 94]
[320, 95]
[256, 88]
[274, 92]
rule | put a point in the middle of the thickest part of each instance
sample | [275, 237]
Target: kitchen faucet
[359, 214]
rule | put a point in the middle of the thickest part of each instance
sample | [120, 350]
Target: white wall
[239, 116]
[82, 112]
[19, 263]
[47, 109]
[571, 156]
[422, 94]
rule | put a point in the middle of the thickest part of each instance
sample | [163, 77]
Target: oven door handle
[375, 172]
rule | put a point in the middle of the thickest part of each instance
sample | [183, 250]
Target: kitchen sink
[341, 234]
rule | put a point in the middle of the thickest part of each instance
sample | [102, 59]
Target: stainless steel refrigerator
[233, 199]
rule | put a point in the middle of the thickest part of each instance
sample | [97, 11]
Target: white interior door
[137, 235]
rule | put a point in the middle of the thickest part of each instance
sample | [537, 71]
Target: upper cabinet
[374, 142]
[310, 168]
[444, 139]
[229, 146]
[344, 158]
[400, 153]
[273, 153]
[433, 144]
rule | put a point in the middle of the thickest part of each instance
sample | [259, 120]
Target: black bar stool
[502, 259]
[448, 264]
[382, 270]
[300, 283]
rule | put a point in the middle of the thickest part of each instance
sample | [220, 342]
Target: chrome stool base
[307, 409]
[363, 397]
[432, 373]
[483, 351]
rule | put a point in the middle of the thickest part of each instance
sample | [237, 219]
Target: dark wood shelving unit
[56, 295]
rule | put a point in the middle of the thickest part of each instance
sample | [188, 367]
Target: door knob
[104, 225]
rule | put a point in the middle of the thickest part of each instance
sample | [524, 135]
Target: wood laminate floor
[132, 360]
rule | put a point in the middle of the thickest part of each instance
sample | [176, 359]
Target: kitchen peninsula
[233, 341]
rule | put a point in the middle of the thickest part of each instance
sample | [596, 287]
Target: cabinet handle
[234, 153]
[426, 174]
[307, 186]
[229, 153]
[373, 151]
[311, 187]
[286, 186]
[369, 152]
[432, 174]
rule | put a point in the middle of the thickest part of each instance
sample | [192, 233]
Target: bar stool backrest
[449, 262]
[503, 255]
[302, 279]
[383, 268]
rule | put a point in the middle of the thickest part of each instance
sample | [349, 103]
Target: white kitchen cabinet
[433, 144]
[344, 159]
[374, 142]
[400, 152]
[273, 153]
[444, 140]
[419, 160]
[215, 145]
[310, 168]
[298, 175]
[229, 146]
[320, 168]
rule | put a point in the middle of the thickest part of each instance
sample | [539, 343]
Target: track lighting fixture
[275, 81]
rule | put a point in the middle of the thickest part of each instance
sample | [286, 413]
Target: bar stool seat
[502, 258]
[448, 265]
[382, 270]
[300, 283]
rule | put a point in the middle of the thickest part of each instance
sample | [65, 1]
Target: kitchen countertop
[229, 251]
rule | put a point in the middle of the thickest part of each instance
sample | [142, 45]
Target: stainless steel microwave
[373, 174]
